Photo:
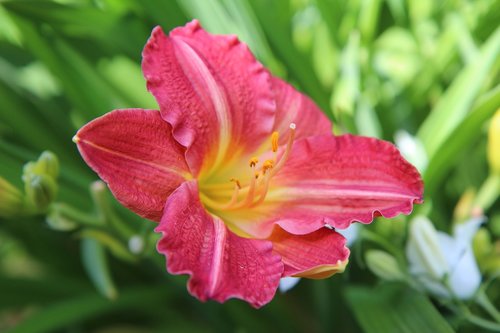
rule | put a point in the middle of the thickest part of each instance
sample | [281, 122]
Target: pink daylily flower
[241, 171]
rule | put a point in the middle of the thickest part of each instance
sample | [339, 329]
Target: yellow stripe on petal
[324, 271]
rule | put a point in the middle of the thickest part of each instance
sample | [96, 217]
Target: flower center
[253, 192]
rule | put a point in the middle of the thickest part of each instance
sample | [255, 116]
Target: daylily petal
[294, 107]
[133, 151]
[334, 181]
[316, 255]
[217, 97]
[221, 264]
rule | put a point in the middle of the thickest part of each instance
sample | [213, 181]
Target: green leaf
[84, 307]
[96, 264]
[233, 17]
[276, 21]
[76, 20]
[90, 94]
[462, 136]
[457, 101]
[394, 308]
[22, 291]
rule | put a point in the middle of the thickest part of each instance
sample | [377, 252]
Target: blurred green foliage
[86, 264]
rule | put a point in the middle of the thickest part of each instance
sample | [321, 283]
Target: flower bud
[494, 143]
[444, 265]
[384, 265]
[40, 190]
[423, 248]
[47, 164]
[11, 199]
[136, 244]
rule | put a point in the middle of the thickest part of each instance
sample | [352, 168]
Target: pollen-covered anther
[267, 165]
[236, 182]
[274, 141]
[287, 151]
[253, 162]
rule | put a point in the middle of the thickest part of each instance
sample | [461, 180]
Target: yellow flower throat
[255, 190]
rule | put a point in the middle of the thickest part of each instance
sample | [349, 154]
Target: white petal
[288, 283]
[412, 149]
[464, 232]
[451, 249]
[465, 277]
[351, 233]
[423, 250]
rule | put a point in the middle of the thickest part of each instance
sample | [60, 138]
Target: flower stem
[382, 242]
[99, 194]
[77, 216]
[488, 192]
[478, 321]
[483, 300]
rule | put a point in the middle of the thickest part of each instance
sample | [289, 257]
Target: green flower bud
[40, 190]
[384, 265]
[47, 164]
[11, 199]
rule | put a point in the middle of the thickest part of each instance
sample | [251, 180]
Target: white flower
[351, 233]
[412, 149]
[288, 283]
[442, 263]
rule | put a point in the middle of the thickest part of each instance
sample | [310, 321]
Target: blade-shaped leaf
[394, 308]
[456, 103]
[96, 264]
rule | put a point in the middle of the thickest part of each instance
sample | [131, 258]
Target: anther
[274, 141]
[267, 165]
[288, 149]
[253, 162]
[237, 182]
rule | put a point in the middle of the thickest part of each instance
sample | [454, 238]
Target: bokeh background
[421, 73]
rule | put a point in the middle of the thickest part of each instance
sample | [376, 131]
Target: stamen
[259, 181]
[267, 179]
[253, 161]
[288, 149]
[251, 188]
[267, 165]
[237, 182]
[274, 141]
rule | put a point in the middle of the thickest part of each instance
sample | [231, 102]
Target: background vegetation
[73, 260]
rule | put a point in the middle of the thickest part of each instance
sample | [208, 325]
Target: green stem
[483, 300]
[76, 215]
[99, 194]
[488, 192]
[478, 321]
[382, 242]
